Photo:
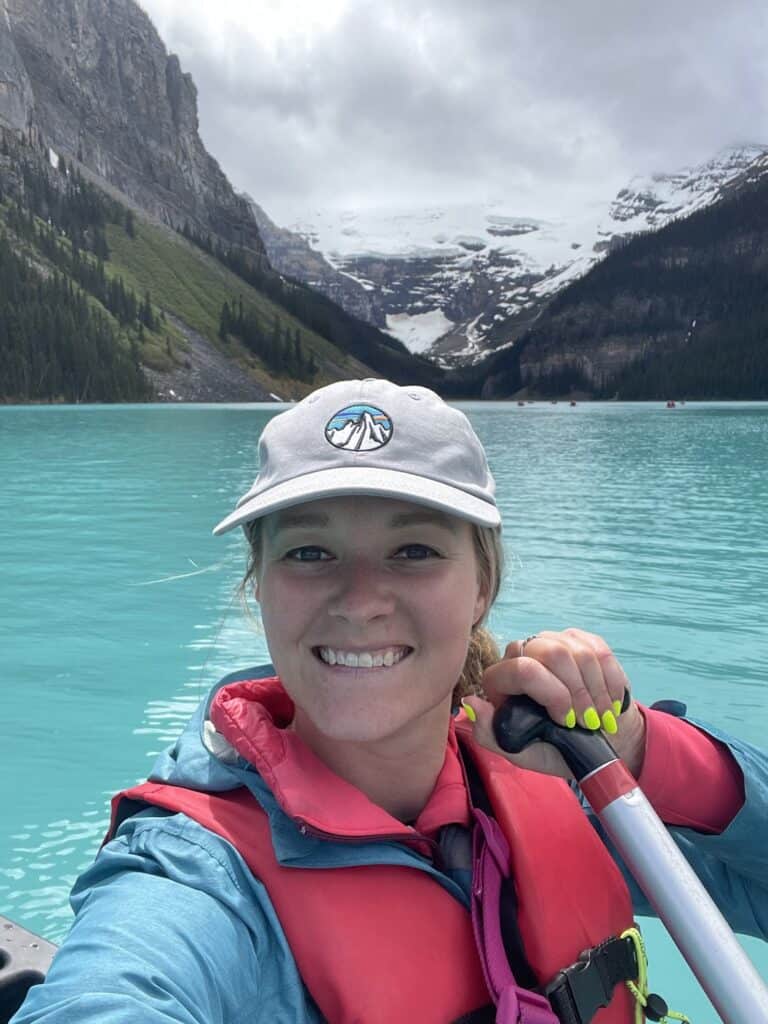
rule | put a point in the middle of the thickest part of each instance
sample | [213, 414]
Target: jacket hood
[195, 760]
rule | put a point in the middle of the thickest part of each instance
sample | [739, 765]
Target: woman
[226, 892]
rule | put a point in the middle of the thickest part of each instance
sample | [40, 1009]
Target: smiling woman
[488, 553]
[334, 820]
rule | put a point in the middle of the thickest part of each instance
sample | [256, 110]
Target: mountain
[681, 311]
[457, 282]
[106, 185]
[94, 80]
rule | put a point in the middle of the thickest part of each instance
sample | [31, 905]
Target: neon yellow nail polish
[617, 708]
[570, 719]
[609, 723]
[469, 711]
[591, 719]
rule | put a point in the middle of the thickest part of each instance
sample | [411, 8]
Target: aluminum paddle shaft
[697, 927]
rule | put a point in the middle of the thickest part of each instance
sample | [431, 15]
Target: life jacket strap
[507, 904]
[579, 991]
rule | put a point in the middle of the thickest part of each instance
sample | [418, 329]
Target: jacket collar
[253, 716]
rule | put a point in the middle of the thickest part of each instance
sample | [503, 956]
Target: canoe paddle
[697, 927]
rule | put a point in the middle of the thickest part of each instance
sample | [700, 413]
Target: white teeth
[365, 659]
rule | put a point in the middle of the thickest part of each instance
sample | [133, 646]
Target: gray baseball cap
[371, 437]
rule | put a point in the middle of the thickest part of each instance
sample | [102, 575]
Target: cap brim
[382, 483]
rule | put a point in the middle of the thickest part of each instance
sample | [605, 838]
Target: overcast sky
[543, 103]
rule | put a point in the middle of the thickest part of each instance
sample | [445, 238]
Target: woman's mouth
[381, 657]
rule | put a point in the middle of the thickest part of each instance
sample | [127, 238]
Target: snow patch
[418, 332]
[53, 156]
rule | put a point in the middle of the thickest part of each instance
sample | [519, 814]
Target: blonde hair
[482, 650]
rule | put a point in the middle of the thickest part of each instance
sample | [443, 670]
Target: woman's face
[367, 605]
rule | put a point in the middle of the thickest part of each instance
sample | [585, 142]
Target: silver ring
[526, 641]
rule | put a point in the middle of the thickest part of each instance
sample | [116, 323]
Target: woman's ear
[481, 605]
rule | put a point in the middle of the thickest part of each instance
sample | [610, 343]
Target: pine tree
[146, 316]
[100, 247]
[225, 321]
[298, 357]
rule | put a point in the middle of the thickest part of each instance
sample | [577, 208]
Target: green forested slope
[138, 286]
[55, 342]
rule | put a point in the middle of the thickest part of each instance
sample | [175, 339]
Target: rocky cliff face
[93, 80]
[290, 254]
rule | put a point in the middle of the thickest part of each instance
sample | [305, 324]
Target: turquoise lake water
[644, 524]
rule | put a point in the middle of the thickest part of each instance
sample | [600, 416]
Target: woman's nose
[361, 593]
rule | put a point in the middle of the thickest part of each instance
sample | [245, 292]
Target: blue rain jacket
[171, 926]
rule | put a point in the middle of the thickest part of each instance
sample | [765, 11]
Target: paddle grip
[520, 721]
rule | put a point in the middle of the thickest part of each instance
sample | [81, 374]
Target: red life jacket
[381, 943]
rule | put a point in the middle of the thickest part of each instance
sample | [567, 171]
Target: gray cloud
[454, 100]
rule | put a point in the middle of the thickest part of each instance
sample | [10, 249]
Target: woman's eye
[415, 552]
[308, 553]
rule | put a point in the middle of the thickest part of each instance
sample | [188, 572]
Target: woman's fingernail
[591, 719]
[609, 723]
[570, 719]
[617, 708]
[469, 711]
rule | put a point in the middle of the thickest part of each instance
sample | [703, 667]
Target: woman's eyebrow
[298, 520]
[425, 518]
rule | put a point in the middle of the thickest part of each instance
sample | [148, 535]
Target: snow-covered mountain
[455, 282]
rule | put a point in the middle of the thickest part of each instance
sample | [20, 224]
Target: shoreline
[60, 403]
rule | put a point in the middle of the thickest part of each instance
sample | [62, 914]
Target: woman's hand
[577, 678]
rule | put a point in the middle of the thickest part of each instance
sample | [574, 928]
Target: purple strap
[490, 863]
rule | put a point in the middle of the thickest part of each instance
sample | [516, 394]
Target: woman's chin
[370, 721]
[357, 725]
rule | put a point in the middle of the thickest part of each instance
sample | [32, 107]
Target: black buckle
[579, 991]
